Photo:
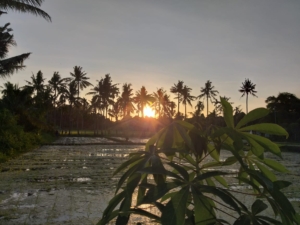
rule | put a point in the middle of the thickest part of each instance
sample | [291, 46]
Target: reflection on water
[73, 184]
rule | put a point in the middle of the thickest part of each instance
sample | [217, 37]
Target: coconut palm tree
[9, 65]
[36, 85]
[198, 109]
[247, 88]
[105, 92]
[25, 6]
[208, 92]
[79, 79]
[142, 98]
[115, 110]
[158, 101]
[187, 98]
[57, 84]
[177, 89]
[127, 99]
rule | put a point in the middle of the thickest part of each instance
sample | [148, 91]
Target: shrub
[172, 176]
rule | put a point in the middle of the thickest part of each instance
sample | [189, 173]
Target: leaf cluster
[180, 173]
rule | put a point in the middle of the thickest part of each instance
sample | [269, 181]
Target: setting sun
[149, 112]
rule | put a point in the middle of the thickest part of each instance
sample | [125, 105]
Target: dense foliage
[174, 176]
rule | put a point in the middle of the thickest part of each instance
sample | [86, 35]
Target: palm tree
[70, 95]
[159, 101]
[247, 88]
[187, 98]
[208, 92]
[142, 98]
[127, 99]
[115, 110]
[177, 89]
[172, 106]
[9, 65]
[25, 6]
[105, 92]
[36, 84]
[199, 108]
[79, 79]
[57, 84]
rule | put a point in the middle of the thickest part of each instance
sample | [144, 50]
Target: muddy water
[68, 184]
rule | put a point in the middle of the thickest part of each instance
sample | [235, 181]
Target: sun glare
[149, 112]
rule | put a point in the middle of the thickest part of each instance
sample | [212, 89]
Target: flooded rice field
[70, 184]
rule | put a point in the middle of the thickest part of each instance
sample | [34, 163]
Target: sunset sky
[158, 42]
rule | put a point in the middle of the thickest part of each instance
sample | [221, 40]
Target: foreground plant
[175, 176]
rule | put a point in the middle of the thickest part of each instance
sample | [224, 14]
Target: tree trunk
[178, 105]
[247, 104]
[207, 106]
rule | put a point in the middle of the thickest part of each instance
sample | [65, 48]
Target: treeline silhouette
[58, 104]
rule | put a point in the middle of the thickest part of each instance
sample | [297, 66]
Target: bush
[13, 139]
[171, 176]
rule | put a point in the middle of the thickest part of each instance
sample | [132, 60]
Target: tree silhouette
[105, 92]
[126, 100]
[187, 98]
[142, 98]
[177, 89]
[79, 79]
[9, 65]
[208, 92]
[247, 88]
[36, 85]
[158, 101]
[25, 6]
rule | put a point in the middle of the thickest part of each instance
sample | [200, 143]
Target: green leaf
[145, 214]
[110, 217]
[184, 136]
[280, 184]
[227, 112]
[180, 169]
[266, 171]
[275, 165]
[267, 128]
[284, 203]
[258, 206]
[222, 194]
[174, 212]
[141, 191]
[185, 124]
[156, 192]
[221, 180]
[243, 220]
[127, 163]
[253, 115]
[204, 211]
[209, 174]
[210, 182]
[268, 219]
[263, 180]
[154, 139]
[111, 206]
[256, 148]
[266, 143]
[128, 173]
[211, 164]
[213, 152]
